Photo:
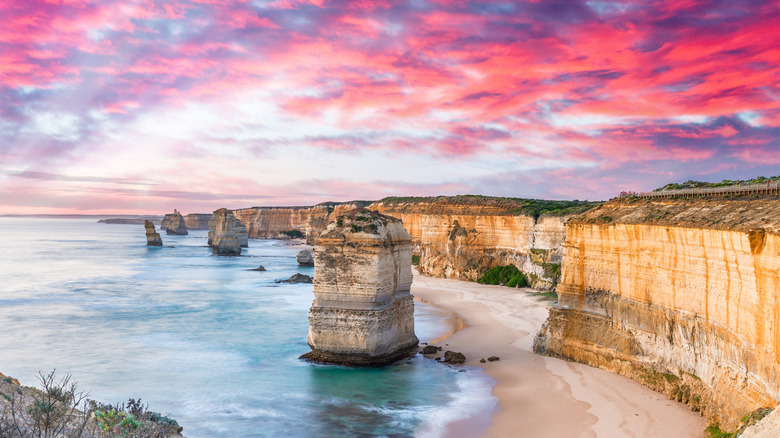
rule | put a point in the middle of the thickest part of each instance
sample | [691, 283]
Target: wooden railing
[768, 188]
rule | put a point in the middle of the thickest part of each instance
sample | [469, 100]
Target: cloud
[572, 87]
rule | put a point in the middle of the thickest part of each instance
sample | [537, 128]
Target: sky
[143, 106]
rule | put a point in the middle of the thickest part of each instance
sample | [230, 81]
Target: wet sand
[541, 396]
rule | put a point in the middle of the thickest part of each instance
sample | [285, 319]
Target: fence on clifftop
[768, 188]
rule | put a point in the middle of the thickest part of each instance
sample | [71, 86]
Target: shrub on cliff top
[507, 275]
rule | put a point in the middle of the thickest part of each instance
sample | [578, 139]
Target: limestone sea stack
[152, 236]
[305, 258]
[174, 223]
[223, 237]
[363, 312]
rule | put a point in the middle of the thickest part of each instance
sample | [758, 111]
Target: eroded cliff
[462, 237]
[681, 295]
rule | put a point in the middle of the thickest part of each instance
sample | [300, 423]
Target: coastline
[537, 395]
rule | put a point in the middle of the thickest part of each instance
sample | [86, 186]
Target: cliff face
[683, 296]
[453, 239]
[363, 312]
[463, 241]
[197, 221]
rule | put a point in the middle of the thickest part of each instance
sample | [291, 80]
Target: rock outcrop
[152, 236]
[454, 237]
[363, 311]
[197, 221]
[174, 223]
[241, 234]
[305, 258]
[681, 295]
[223, 238]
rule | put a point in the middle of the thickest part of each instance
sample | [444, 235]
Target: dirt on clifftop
[736, 214]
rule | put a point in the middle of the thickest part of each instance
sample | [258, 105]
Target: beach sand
[539, 396]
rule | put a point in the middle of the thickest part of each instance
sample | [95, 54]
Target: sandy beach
[541, 396]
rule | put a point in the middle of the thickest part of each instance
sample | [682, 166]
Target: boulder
[297, 278]
[363, 312]
[430, 349]
[305, 258]
[454, 357]
[493, 358]
[259, 268]
[152, 236]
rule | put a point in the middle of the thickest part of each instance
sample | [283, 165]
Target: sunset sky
[146, 106]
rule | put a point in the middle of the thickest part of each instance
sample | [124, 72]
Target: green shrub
[294, 234]
[507, 275]
[415, 260]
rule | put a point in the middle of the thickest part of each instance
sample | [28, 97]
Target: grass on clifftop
[515, 206]
[691, 184]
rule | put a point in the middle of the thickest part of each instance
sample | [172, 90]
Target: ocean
[204, 339]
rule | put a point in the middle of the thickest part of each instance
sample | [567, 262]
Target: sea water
[205, 339]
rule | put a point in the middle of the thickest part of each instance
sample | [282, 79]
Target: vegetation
[514, 206]
[690, 184]
[415, 260]
[60, 410]
[507, 275]
[715, 432]
[294, 234]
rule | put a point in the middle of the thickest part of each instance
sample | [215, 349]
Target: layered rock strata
[223, 237]
[363, 312]
[455, 237]
[681, 295]
[152, 236]
[464, 240]
[174, 223]
[197, 221]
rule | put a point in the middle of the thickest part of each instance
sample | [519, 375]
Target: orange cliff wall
[272, 222]
[683, 296]
[464, 240]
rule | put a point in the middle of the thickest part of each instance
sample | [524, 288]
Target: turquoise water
[203, 339]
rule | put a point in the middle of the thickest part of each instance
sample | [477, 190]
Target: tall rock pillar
[223, 238]
[363, 312]
[152, 236]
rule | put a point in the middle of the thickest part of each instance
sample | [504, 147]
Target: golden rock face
[363, 311]
[664, 288]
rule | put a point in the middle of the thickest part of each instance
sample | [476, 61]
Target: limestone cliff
[223, 237]
[174, 223]
[285, 222]
[197, 221]
[457, 237]
[152, 236]
[681, 295]
[462, 240]
[363, 312]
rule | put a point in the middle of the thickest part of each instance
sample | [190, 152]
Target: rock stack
[305, 258]
[152, 236]
[222, 237]
[174, 223]
[363, 312]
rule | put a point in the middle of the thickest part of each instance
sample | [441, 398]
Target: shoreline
[537, 395]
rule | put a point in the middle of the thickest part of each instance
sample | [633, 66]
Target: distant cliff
[453, 236]
[681, 295]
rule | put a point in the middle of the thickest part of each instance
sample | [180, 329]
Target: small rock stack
[152, 236]
[174, 224]
[305, 258]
